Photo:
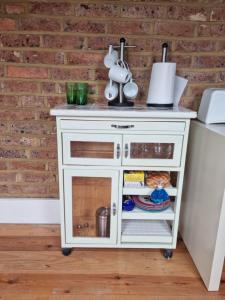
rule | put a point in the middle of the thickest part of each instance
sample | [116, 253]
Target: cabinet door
[85, 192]
[91, 149]
[152, 150]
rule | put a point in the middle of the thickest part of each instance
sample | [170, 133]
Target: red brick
[37, 177]
[52, 166]
[139, 60]
[48, 141]
[27, 72]
[221, 77]
[101, 74]
[39, 24]
[20, 86]
[45, 115]
[53, 8]
[190, 102]
[19, 40]
[14, 8]
[143, 11]
[60, 88]
[32, 101]
[84, 26]
[7, 176]
[220, 45]
[55, 100]
[217, 14]
[7, 24]
[3, 189]
[27, 190]
[141, 75]
[16, 115]
[43, 154]
[217, 30]
[129, 27]
[2, 72]
[196, 91]
[85, 58]
[65, 42]
[53, 190]
[69, 74]
[193, 46]
[43, 57]
[101, 42]
[10, 56]
[27, 165]
[188, 13]
[32, 127]
[175, 29]
[12, 153]
[182, 61]
[194, 77]
[88, 9]
[48, 87]
[209, 62]
[3, 165]
[11, 101]
[17, 140]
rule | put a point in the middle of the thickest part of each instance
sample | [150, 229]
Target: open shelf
[146, 231]
[145, 190]
[140, 214]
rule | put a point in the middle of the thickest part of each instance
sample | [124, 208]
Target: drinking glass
[71, 90]
[82, 92]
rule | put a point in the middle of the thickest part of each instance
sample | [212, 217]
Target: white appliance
[212, 106]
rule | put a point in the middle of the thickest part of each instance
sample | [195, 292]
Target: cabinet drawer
[91, 149]
[122, 125]
[152, 150]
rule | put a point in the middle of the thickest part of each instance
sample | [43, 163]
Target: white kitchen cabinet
[96, 145]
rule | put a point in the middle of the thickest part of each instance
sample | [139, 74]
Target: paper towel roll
[161, 87]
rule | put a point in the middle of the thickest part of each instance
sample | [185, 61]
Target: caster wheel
[66, 251]
[167, 253]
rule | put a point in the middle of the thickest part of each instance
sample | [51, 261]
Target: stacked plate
[144, 203]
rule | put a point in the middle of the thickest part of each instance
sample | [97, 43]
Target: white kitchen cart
[96, 145]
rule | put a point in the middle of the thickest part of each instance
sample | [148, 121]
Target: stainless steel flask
[103, 222]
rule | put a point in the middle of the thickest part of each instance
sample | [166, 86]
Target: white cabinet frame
[67, 138]
[177, 140]
[68, 175]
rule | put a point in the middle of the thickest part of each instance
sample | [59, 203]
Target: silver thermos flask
[103, 221]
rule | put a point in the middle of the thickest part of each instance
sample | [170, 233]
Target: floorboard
[32, 267]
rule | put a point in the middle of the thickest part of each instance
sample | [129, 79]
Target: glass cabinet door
[91, 205]
[91, 149]
[152, 150]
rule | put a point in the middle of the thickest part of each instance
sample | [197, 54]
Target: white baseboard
[29, 211]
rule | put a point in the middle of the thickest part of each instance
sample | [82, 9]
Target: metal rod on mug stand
[122, 42]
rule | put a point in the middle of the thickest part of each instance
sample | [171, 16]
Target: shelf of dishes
[146, 231]
[145, 190]
[140, 214]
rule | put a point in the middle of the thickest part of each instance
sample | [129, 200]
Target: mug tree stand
[121, 101]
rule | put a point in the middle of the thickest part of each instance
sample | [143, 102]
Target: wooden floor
[32, 267]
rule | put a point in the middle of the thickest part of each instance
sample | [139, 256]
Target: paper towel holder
[160, 103]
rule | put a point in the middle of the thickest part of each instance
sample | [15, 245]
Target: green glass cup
[71, 92]
[82, 93]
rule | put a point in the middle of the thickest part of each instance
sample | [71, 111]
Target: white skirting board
[29, 211]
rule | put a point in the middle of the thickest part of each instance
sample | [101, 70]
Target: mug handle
[110, 49]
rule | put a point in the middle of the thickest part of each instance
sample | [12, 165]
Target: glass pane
[92, 149]
[88, 195]
[151, 150]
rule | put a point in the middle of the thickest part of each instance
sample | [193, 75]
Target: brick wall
[43, 44]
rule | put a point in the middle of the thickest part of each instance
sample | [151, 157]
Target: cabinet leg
[167, 253]
[66, 251]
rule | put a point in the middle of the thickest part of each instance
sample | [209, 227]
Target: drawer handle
[114, 209]
[126, 150]
[122, 126]
[118, 151]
